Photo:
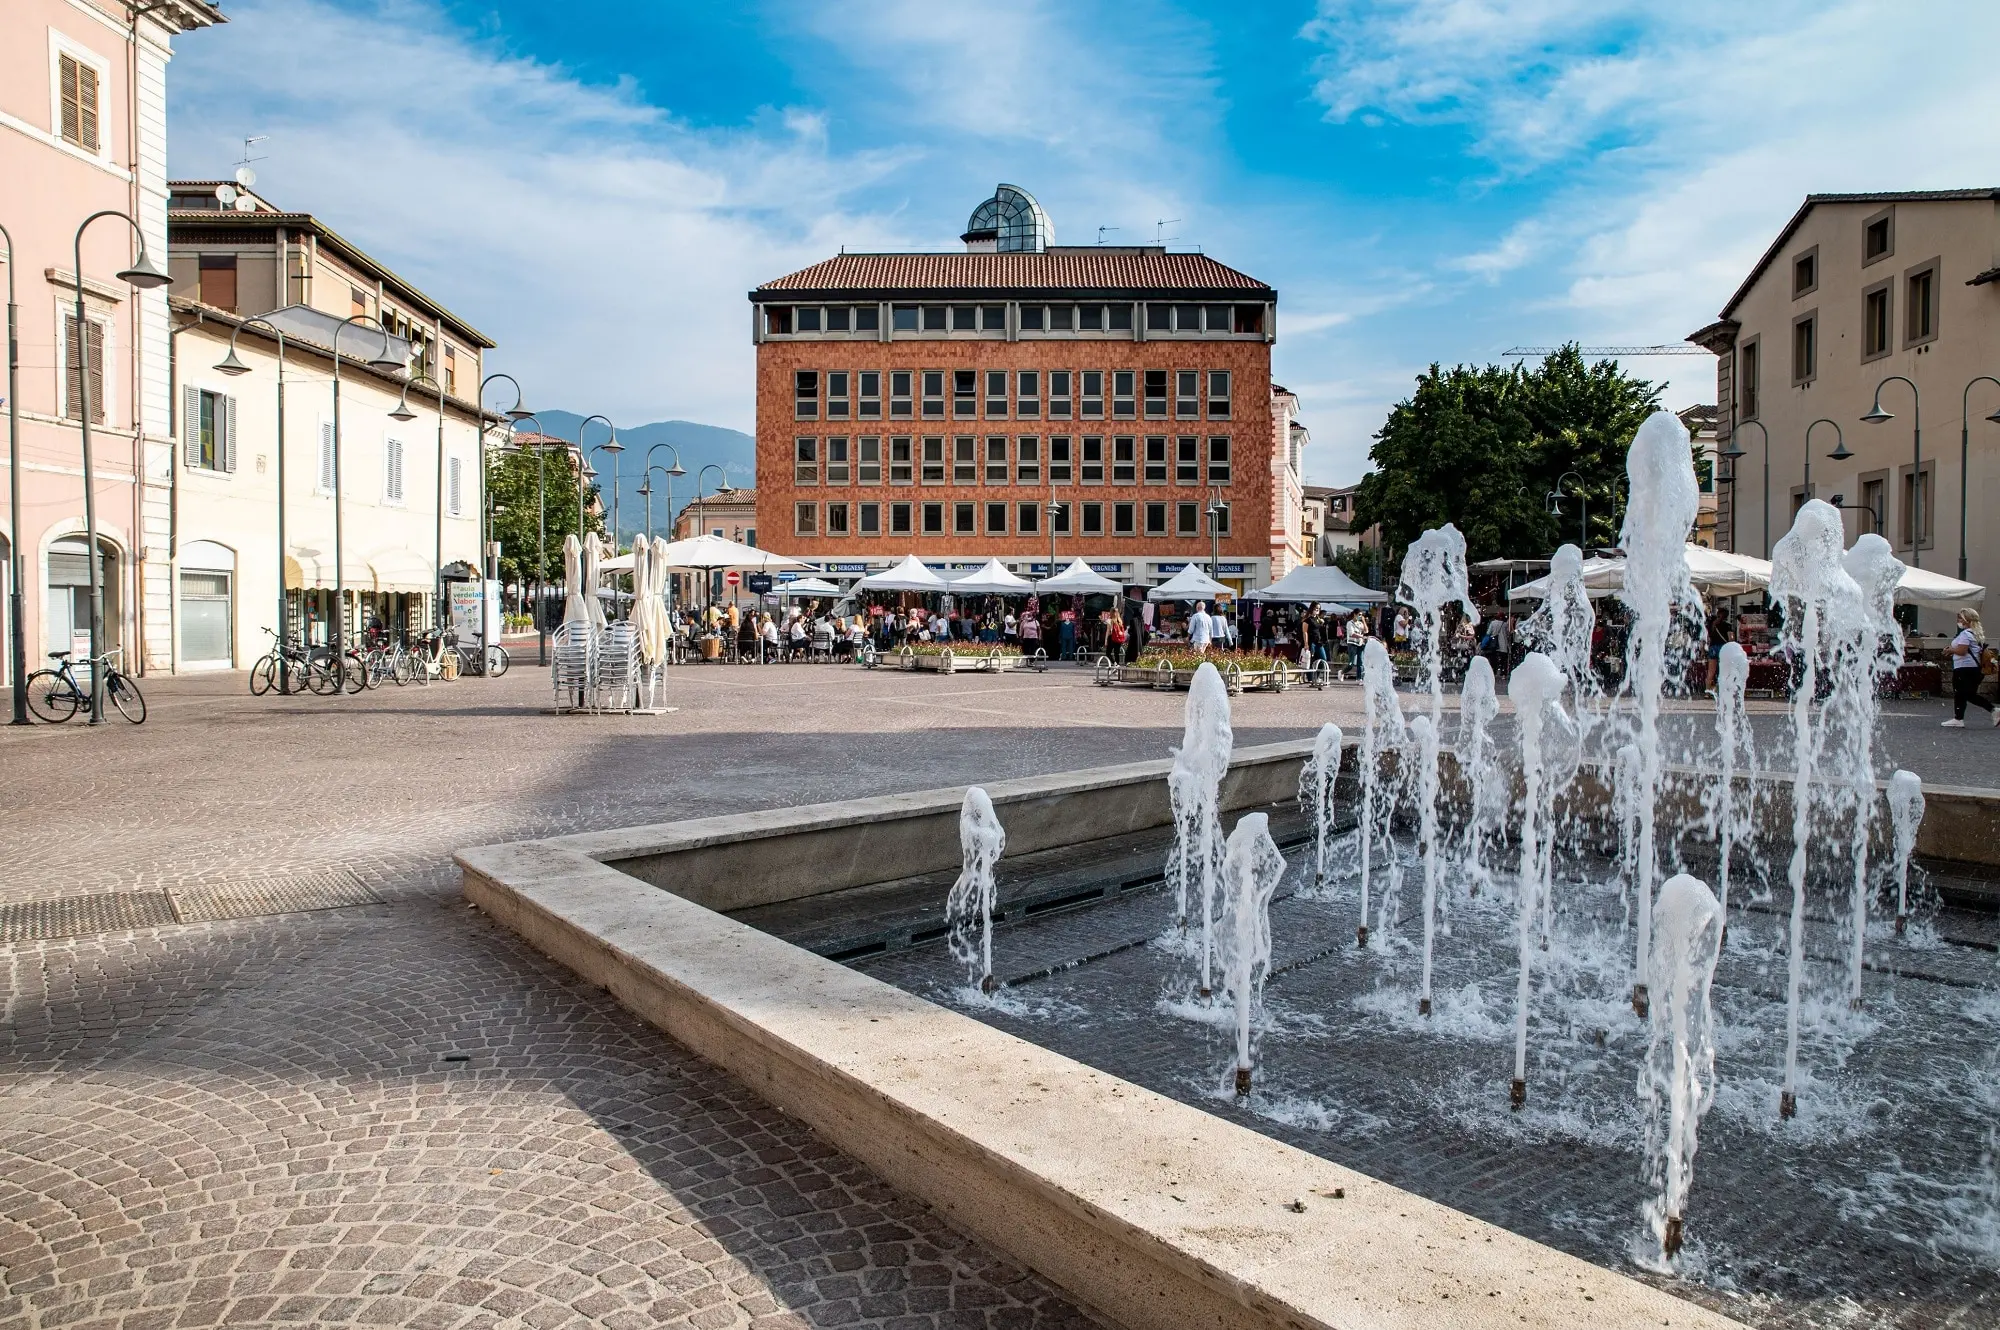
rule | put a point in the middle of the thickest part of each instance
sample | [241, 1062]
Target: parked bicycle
[492, 662]
[56, 695]
[293, 659]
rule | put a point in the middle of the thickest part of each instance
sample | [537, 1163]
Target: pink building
[83, 127]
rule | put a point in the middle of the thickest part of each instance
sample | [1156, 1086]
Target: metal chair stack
[573, 665]
[617, 675]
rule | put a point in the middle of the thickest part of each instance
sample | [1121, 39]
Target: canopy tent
[808, 586]
[1509, 566]
[1077, 580]
[991, 579]
[1190, 583]
[909, 575]
[707, 553]
[1921, 586]
[1311, 583]
[1713, 572]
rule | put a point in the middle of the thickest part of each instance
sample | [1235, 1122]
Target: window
[1187, 461]
[934, 318]
[328, 466]
[1920, 288]
[805, 461]
[455, 486]
[805, 519]
[996, 459]
[1122, 388]
[1118, 318]
[1218, 519]
[1159, 318]
[1090, 318]
[1875, 321]
[965, 318]
[961, 519]
[1028, 460]
[933, 461]
[1028, 519]
[867, 318]
[1059, 460]
[1031, 318]
[808, 318]
[837, 317]
[78, 93]
[451, 369]
[1156, 519]
[1216, 318]
[901, 457]
[899, 519]
[1028, 395]
[1060, 382]
[1917, 505]
[933, 519]
[1805, 273]
[1250, 318]
[964, 460]
[1873, 494]
[996, 519]
[1218, 461]
[1122, 519]
[903, 318]
[899, 394]
[357, 302]
[1093, 519]
[871, 519]
[838, 462]
[1186, 385]
[870, 406]
[210, 420]
[1061, 523]
[1218, 394]
[1156, 461]
[964, 393]
[993, 318]
[1093, 460]
[778, 319]
[1878, 237]
[1156, 394]
[1061, 317]
[837, 403]
[1093, 394]
[1187, 519]
[868, 462]
[836, 519]
[75, 379]
[805, 395]
[1124, 460]
[1805, 346]
[392, 471]
[218, 281]
[996, 394]
[933, 394]
[1746, 379]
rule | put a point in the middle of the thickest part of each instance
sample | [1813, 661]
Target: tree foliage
[517, 498]
[1483, 447]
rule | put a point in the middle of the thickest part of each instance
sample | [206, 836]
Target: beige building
[409, 489]
[1327, 522]
[1289, 437]
[1699, 421]
[1857, 290]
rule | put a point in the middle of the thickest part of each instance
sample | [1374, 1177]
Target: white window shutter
[392, 459]
[456, 471]
[227, 427]
[191, 427]
[326, 456]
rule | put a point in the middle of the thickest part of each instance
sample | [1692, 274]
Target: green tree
[512, 489]
[1483, 447]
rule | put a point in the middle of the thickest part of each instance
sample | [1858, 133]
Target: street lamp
[541, 532]
[1583, 523]
[613, 447]
[669, 472]
[1840, 501]
[1730, 454]
[1965, 458]
[18, 649]
[514, 414]
[235, 368]
[701, 512]
[143, 276]
[1876, 415]
[1839, 453]
[387, 364]
[403, 412]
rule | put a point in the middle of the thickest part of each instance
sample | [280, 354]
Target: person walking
[1967, 670]
[1201, 629]
[1357, 642]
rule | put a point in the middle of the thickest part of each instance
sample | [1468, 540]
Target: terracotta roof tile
[1075, 270]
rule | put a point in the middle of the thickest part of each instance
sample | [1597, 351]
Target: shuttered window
[392, 471]
[73, 374]
[208, 430]
[326, 476]
[455, 486]
[79, 103]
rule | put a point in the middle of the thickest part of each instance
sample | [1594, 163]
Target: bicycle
[492, 662]
[301, 671]
[55, 695]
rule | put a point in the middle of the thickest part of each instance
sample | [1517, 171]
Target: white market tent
[1312, 583]
[1190, 583]
[1921, 586]
[909, 575]
[1713, 572]
[991, 579]
[808, 586]
[1077, 580]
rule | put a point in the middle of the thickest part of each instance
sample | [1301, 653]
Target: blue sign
[1107, 567]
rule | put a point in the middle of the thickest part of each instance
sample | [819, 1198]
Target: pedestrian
[1968, 650]
[1357, 642]
[1066, 635]
[1201, 629]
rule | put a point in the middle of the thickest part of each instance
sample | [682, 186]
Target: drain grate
[294, 894]
[80, 916]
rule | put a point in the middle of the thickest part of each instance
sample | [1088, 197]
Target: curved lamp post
[1583, 522]
[514, 414]
[387, 364]
[235, 368]
[1839, 453]
[1876, 415]
[17, 649]
[541, 535]
[612, 446]
[669, 472]
[1965, 458]
[403, 412]
[701, 514]
[1730, 454]
[143, 276]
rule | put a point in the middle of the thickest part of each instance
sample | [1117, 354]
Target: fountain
[1252, 868]
[1536, 687]
[1424, 737]
[1318, 779]
[1479, 764]
[1680, 1055]
[1906, 814]
[981, 841]
[1873, 647]
[1385, 732]
[1732, 726]
[1194, 786]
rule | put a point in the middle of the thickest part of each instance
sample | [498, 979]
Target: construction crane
[1667, 349]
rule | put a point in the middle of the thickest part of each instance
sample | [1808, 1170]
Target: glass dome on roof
[1012, 221]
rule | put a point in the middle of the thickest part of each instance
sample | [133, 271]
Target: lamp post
[16, 619]
[541, 530]
[669, 472]
[612, 446]
[1055, 511]
[1583, 523]
[1840, 501]
[143, 276]
[1730, 454]
[514, 414]
[387, 364]
[403, 412]
[1839, 453]
[701, 512]
[1876, 415]
[235, 368]
[1964, 456]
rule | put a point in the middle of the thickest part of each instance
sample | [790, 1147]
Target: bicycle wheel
[125, 695]
[403, 669]
[378, 669]
[52, 697]
[496, 661]
[321, 679]
[262, 675]
[354, 672]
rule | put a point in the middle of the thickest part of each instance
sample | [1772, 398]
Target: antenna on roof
[1160, 236]
[1101, 230]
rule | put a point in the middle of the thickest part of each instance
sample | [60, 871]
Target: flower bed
[1249, 662]
[950, 658]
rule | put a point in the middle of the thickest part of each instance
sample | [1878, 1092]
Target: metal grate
[274, 895]
[79, 916]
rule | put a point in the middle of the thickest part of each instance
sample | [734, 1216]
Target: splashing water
[981, 841]
[1195, 788]
[1536, 687]
[1423, 735]
[1317, 781]
[1871, 646]
[1479, 764]
[1385, 733]
[1664, 500]
[1680, 1057]
[1625, 799]
[1251, 869]
[1732, 726]
[1561, 628]
[1906, 814]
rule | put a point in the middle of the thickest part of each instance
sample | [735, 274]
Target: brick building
[1114, 402]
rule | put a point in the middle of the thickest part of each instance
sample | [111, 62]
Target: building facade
[409, 490]
[1859, 290]
[1022, 401]
[1328, 523]
[82, 130]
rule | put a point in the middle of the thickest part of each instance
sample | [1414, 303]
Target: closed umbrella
[593, 558]
[575, 606]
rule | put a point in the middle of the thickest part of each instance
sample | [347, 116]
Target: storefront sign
[759, 583]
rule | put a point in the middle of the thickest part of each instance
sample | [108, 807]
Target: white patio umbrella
[909, 575]
[708, 553]
[1921, 586]
[809, 586]
[576, 608]
[1190, 583]
[1077, 580]
[991, 579]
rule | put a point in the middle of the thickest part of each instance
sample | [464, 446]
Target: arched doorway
[67, 619]
[208, 605]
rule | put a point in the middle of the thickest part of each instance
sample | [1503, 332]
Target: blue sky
[597, 184]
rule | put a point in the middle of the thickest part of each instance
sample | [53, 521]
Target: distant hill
[699, 445]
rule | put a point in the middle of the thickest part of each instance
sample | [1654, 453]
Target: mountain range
[698, 446]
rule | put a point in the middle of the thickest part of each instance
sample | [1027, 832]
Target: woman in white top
[1966, 673]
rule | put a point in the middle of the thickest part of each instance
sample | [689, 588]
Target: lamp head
[612, 445]
[230, 365]
[1840, 451]
[143, 274]
[1732, 452]
[646, 490]
[1840, 500]
[1878, 415]
[519, 414]
[678, 470]
[1995, 417]
[402, 411]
